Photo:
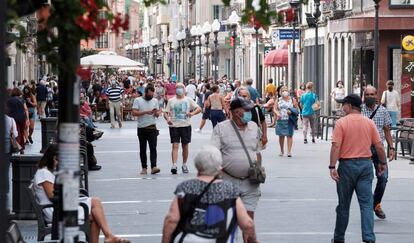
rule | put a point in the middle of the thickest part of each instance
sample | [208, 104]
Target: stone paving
[297, 204]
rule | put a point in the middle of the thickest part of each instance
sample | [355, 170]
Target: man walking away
[146, 108]
[352, 139]
[254, 95]
[382, 121]
[115, 95]
[191, 89]
[41, 97]
[178, 112]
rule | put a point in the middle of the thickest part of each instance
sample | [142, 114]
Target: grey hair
[208, 161]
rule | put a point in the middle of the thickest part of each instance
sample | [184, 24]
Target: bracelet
[332, 167]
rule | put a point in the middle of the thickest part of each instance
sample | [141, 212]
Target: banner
[407, 77]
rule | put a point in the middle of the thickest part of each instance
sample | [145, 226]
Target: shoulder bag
[317, 105]
[14, 145]
[256, 173]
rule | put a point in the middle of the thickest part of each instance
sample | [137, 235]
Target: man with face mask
[146, 109]
[235, 161]
[352, 139]
[382, 120]
[391, 100]
[178, 112]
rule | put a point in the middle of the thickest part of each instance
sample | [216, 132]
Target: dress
[283, 126]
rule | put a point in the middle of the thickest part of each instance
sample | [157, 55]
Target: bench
[404, 136]
[13, 234]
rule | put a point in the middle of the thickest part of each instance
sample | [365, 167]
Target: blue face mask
[179, 91]
[247, 116]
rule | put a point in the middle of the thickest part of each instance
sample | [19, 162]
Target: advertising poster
[407, 77]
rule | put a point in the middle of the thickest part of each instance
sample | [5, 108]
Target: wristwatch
[331, 167]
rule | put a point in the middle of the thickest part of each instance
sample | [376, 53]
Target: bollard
[24, 168]
[49, 131]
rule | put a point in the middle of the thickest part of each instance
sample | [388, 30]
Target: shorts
[32, 113]
[206, 114]
[249, 192]
[180, 135]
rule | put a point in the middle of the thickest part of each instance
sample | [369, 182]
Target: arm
[276, 110]
[334, 156]
[383, 97]
[48, 187]
[245, 222]
[136, 112]
[388, 138]
[171, 221]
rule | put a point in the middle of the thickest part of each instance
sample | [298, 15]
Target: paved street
[298, 199]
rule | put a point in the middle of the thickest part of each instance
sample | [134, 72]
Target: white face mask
[285, 94]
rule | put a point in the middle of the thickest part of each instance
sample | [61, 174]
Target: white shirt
[391, 99]
[191, 91]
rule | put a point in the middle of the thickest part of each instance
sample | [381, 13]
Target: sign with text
[287, 34]
[407, 84]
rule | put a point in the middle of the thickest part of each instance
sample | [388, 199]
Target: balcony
[335, 9]
[162, 15]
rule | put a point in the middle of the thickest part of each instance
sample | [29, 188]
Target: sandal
[117, 240]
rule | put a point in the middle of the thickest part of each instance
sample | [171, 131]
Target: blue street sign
[287, 34]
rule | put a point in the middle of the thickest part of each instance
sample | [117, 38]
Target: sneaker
[337, 241]
[143, 171]
[174, 169]
[155, 170]
[378, 211]
[305, 141]
[184, 168]
[198, 130]
[120, 124]
[313, 140]
[30, 139]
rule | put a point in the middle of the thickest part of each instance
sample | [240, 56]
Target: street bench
[404, 136]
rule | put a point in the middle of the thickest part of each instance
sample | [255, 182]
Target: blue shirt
[253, 93]
[307, 100]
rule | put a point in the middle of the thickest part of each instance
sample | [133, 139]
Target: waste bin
[53, 112]
[24, 167]
[49, 131]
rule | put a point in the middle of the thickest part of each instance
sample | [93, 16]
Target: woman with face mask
[338, 93]
[285, 107]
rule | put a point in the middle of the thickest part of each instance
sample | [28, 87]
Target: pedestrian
[146, 108]
[169, 89]
[17, 110]
[307, 100]
[43, 184]
[115, 99]
[382, 120]
[177, 113]
[160, 94]
[391, 100]
[235, 160]
[191, 89]
[284, 109]
[41, 98]
[216, 102]
[31, 104]
[338, 93]
[218, 198]
[352, 139]
[206, 108]
[270, 89]
[254, 95]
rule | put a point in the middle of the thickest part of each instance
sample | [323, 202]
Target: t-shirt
[170, 89]
[355, 134]
[270, 89]
[41, 93]
[307, 100]
[191, 91]
[391, 99]
[178, 109]
[115, 94]
[235, 161]
[16, 109]
[43, 175]
[145, 105]
[253, 93]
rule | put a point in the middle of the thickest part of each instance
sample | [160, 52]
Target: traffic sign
[287, 34]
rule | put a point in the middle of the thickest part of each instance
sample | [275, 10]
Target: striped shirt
[382, 118]
[114, 94]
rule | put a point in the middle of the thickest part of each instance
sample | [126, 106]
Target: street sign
[287, 34]
[275, 37]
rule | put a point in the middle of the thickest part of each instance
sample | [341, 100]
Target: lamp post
[135, 48]
[233, 21]
[295, 5]
[162, 57]
[256, 28]
[154, 44]
[316, 15]
[216, 28]
[376, 42]
[183, 37]
[207, 31]
[193, 32]
[170, 54]
[199, 31]
[180, 39]
[128, 49]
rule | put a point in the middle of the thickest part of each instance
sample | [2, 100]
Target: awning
[277, 58]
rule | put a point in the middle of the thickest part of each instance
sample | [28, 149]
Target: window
[402, 3]
[102, 41]
[217, 12]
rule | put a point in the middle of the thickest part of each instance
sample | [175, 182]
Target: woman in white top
[391, 99]
[44, 180]
[338, 93]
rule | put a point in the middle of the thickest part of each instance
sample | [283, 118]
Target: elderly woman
[207, 207]
[43, 184]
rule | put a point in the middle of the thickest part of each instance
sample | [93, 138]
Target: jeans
[148, 135]
[216, 116]
[355, 175]
[381, 179]
[393, 115]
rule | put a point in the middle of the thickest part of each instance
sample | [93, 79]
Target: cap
[241, 103]
[351, 99]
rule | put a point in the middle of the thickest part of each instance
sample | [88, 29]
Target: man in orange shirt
[351, 146]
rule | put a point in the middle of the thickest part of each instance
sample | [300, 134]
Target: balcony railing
[334, 5]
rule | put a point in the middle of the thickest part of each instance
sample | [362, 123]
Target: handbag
[256, 172]
[317, 105]
[14, 145]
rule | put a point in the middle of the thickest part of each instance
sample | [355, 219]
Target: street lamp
[233, 21]
[216, 28]
[128, 49]
[193, 32]
[199, 33]
[183, 37]
[180, 38]
[207, 31]
[376, 41]
[295, 4]
[154, 44]
[170, 54]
